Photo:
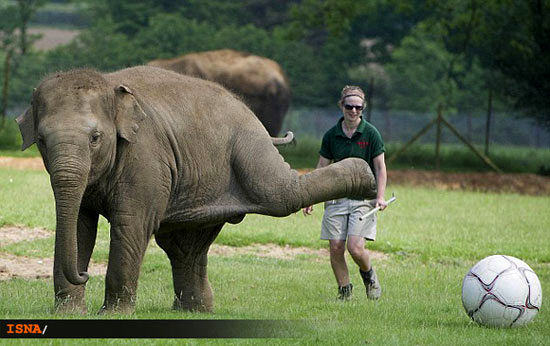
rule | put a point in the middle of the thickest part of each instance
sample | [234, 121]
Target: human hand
[381, 203]
[308, 210]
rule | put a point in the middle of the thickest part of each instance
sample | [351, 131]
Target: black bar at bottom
[69, 329]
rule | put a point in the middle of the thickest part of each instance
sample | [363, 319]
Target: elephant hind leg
[187, 250]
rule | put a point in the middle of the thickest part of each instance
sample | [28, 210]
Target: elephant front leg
[188, 250]
[126, 252]
[70, 298]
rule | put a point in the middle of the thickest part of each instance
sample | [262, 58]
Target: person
[352, 136]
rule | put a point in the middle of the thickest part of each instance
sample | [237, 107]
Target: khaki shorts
[341, 219]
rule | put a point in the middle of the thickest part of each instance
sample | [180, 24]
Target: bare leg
[187, 250]
[356, 248]
[338, 261]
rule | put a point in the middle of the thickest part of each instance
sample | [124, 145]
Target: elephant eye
[95, 137]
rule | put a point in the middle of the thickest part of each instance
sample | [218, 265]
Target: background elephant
[260, 82]
[159, 153]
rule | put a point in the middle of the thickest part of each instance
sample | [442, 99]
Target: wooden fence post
[438, 137]
[483, 158]
[441, 120]
[370, 91]
[412, 140]
[488, 124]
[4, 102]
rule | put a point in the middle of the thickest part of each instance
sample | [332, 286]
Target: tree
[14, 40]
[511, 40]
[519, 47]
[420, 73]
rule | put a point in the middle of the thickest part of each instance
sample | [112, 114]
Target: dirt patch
[14, 234]
[527, 184]
[275, 251]
[31, 163]
[12, 266]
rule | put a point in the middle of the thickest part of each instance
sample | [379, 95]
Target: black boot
[344, 292]
[371, 284]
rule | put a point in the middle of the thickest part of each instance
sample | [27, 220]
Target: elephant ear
[26, 127]
[128, 113]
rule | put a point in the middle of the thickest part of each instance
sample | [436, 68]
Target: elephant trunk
[69, 177]
[355, 181]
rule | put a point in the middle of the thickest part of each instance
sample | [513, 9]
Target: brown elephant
[259, 81]
[159, 153]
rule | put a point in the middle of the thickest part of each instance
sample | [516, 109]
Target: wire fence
[400, 126]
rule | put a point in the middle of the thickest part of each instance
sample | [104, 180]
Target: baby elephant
[159, 153]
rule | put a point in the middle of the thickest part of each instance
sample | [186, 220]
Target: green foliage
[419, 73]
[10, 139]
[510, 39]
[99, 48]
[29, 71]
[15, 42]
[418, 53]
[170, 35]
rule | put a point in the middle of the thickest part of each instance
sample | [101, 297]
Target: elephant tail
[288, 138]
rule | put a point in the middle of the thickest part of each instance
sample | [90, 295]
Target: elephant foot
[193, 305]
[70, 305]
[118, 304]
[124, 309]
[118, 307]
[70, 301]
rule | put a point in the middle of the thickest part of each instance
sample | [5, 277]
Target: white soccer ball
[501, 291]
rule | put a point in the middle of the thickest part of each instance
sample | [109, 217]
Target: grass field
[430, 237]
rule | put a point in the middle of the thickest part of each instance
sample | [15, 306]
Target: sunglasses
[350, 107]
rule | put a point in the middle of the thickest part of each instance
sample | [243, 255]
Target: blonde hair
[351, 90]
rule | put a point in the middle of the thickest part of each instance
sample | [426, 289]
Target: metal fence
[400, 126]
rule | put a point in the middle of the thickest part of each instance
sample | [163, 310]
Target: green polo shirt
[366, 143]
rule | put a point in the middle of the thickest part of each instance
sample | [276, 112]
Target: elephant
[161, 155]
[261, 82]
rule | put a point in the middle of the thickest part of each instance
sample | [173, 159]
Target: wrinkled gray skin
[261, 82]
[159, 153]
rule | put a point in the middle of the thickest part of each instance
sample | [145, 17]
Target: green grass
[431, 237]
[429, 225]
[459, 158]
